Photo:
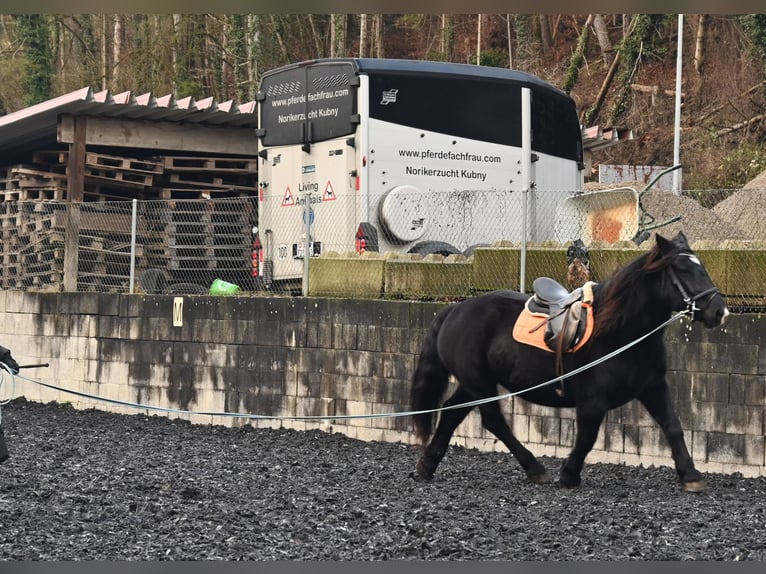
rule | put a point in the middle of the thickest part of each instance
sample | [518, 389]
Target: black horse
[472, 341]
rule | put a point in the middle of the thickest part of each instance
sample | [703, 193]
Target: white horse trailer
[407, 156]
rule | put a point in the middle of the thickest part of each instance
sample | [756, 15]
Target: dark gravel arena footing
[92, 485]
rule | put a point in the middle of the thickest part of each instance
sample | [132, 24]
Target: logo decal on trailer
[329, 192]
[288, 199]
[389, 97]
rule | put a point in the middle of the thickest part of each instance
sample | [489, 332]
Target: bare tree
[545, 33]
[578, 57]
[523, 26]
[444, 36]
[174, 49]
[602, 35]
[699, 46]
[377, 22]
[478, 40]
[337, 35]
[362, 34]
[104, 54]
[116, 48]
[276, 23]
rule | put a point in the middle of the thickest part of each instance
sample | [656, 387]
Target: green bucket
[221, 287]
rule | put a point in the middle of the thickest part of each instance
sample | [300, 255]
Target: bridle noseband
[690, 300]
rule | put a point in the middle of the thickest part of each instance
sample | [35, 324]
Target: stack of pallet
[109, 177]
[192, 241]
[183, 176]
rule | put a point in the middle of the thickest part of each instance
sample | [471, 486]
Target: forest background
[619, 68]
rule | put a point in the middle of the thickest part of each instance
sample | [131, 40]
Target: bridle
[690, 300]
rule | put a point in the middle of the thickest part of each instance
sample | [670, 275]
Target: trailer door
[308, 128]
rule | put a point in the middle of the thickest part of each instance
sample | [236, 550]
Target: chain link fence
[153, 246]
[431, 246]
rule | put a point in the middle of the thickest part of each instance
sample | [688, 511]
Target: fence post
[133, 228]
[306, 242]
[526, 178]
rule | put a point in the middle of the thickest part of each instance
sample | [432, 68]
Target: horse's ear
[665, 245]
[681, 240]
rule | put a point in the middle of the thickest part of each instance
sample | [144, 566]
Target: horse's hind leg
[448, 421]
[660, 407]
[493, 420]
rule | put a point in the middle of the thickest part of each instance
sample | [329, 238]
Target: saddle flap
[563, 329]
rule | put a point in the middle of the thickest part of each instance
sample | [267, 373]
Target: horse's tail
[429, 382]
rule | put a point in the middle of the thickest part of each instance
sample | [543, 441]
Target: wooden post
[75, 186]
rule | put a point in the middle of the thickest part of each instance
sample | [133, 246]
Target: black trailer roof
[421, 67]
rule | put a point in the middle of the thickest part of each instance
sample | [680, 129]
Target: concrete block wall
[206, 358]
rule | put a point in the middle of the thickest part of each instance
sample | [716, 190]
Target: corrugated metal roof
[35, 127]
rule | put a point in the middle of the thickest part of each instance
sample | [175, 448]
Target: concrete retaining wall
[321, 356]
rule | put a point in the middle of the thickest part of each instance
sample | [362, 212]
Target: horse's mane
[623, 290]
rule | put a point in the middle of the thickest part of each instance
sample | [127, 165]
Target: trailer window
[469, 108]
[484, 110]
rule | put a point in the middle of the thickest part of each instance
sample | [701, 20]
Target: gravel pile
[746, 208]
[91, 485]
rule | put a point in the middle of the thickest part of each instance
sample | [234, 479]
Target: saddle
[567, 317]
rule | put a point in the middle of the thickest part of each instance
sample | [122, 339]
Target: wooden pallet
[217, 164]
[119, 178]
[126, 164]
[30, 176]
[206, 179]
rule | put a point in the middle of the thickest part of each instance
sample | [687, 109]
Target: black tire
[154, 281]
[429, 247]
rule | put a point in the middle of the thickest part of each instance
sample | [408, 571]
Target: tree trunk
[104, 55]
[478, 40]
[699, 54]
[379, 51]
[174, 44]
[337, 35]
[443, 36]
[590, 116]
[545, 33]
[117, 48]
[573, 71]
[277, 27]
[362, 34]
[522, 25]
[252, 41]
[317, 40]
[602, 35]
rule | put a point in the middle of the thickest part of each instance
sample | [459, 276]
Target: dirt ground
[91, 485]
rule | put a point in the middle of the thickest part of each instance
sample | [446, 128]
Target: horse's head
[694, 289]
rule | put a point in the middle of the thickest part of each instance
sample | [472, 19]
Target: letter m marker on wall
[178, 311]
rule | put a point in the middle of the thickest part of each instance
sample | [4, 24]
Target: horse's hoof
[539, 478]
[569, 482]
[694, 486]
[417, 478]
[421, 472]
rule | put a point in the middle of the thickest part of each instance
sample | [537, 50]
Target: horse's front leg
[657, 402]
[588, 420]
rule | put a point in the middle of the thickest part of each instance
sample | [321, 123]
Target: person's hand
[7, 358]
